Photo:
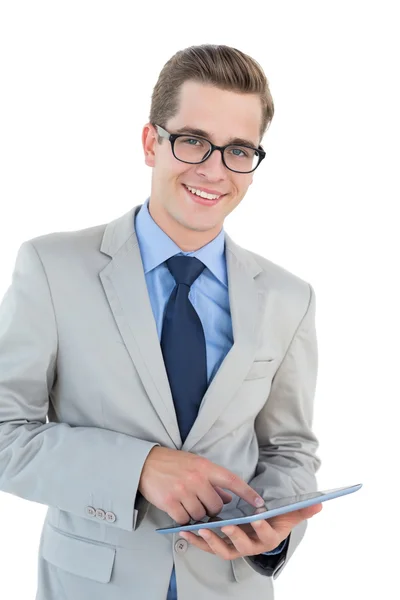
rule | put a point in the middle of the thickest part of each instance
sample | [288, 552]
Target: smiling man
[176, 370]
[193, 220]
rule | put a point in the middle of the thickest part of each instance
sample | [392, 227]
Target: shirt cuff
[278, 549]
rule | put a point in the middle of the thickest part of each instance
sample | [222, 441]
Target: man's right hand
[187, 486]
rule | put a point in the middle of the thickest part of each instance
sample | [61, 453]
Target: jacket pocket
[78, 556]
[260, 368]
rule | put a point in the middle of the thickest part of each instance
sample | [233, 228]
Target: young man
[173, 365]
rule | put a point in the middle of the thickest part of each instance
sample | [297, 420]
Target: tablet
[248, 513]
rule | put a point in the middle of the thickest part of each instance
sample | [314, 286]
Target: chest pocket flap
[260, 368]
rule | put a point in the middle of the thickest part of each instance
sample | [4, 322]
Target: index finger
[230, 481]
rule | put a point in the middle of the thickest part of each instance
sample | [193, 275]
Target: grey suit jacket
[84, 397]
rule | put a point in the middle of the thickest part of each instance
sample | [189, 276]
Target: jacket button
[90, 511]
[110, 517]
[181, 546]
[100, 514]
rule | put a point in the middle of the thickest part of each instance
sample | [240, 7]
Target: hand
[250, 538]
[188, 486]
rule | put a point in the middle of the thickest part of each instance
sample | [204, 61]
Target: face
[223, 115]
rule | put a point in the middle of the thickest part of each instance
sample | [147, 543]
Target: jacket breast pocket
[77, 556]
[260, 368]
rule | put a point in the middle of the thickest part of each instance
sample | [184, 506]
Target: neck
[188, 240]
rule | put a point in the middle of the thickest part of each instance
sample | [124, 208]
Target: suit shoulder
[287, 284]
[71, 242]
[278, 271]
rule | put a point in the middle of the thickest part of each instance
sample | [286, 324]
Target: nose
[213, 168]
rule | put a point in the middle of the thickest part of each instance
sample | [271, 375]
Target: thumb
[310, 511]
[287, 521]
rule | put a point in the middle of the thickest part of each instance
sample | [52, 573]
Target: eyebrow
[200, 132]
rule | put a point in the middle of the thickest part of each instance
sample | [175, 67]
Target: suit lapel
[246, 303]
[125, 286]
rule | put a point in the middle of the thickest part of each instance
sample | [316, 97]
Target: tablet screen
[247, 510]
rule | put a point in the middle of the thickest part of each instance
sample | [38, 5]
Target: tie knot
[185, 269]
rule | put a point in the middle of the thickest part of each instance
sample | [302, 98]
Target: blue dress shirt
[208, 294]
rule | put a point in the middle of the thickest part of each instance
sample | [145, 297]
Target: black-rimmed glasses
[194, 150]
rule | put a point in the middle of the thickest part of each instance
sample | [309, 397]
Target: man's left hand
[250, 539]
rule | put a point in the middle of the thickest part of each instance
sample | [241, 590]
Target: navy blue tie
[183, 344]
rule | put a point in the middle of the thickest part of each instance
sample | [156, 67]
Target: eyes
[236, 151]
[195, 150]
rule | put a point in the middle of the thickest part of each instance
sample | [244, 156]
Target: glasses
[194, 150]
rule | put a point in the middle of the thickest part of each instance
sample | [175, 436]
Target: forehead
[222, 114]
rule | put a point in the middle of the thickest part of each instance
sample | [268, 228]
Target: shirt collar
[156, 246]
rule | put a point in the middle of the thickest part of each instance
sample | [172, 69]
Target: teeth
[202, 194]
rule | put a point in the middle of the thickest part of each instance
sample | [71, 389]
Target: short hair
[224, 67]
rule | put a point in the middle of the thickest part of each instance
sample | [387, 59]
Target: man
[177, 369]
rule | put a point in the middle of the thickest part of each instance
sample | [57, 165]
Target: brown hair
[222, 66]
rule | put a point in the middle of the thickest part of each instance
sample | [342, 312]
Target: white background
[76, 81]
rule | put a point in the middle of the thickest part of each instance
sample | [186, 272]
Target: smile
[203, 194]
[203, 198]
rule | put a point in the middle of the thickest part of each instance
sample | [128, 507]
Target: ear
[149, 141]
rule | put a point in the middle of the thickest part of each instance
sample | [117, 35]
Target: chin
[195, 224]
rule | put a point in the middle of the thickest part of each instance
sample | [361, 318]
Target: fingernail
[259, 501]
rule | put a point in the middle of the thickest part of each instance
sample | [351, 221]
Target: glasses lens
[191, 149]
[240, 158]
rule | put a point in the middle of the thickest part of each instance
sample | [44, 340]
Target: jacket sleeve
[287, 445]
[53, 463]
